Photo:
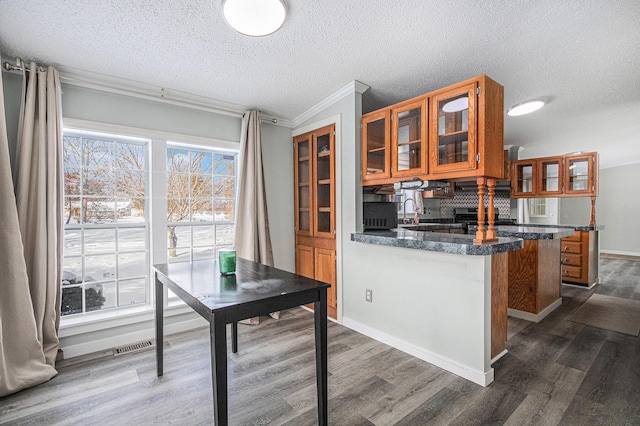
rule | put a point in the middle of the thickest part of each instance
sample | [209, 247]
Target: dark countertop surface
[574, 227]
[532, 232]
[438, 242]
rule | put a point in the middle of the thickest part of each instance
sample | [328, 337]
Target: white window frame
[156, 214]
[538, 207]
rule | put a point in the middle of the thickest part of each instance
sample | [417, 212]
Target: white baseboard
[584, 287]
[483, 378]
[97, 345]
[528, 316]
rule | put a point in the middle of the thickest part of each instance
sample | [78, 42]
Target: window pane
[99, 182]
[201, 162]
[224, 164]
[183, 236]
[98, 154]
[202, 210]
[133, 292]
[178, 210]
[72, 210]
[177, 185]
[179, 255]
[71, 270]
[98, 268]
[130, 156]
[224, 235]
[203, 236]
[224, 210]
[99, 241]
[100, 296]
[98, 210]
[131, 239]
[71, 300]
[72, 182]
[130, 210]
[201, 186]
[72, 152]
[224, 187]
[177, 160]
[200, 253]
[130, 183]
[73, 242]
[132, 265]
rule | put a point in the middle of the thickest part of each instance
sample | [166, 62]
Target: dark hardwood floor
[556, 372]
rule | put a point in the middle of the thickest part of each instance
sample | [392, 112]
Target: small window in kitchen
[538, 207]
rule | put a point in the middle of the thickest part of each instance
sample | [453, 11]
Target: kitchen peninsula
[436, 296]
[534, 272]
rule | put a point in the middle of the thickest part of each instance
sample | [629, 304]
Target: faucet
[404, 210]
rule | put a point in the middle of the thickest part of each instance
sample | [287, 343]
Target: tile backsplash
[502, 203]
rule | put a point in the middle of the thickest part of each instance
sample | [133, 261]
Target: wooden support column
[480, 235]
[593, 212]
[491, 232]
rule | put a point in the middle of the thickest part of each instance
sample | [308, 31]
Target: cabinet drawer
[577, 236]
[571, 259]
[571, 247]
[571, 272]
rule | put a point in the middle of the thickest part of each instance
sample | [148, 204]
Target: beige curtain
[253, 241]
[31, 235]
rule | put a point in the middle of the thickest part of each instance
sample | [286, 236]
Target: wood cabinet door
[325, 271]
[323, 181]
[523, 178]
[549, 178]
[376, 155]
[580, 175]
[452, 137]
[303, 189]
[304, 261]
[409, 139]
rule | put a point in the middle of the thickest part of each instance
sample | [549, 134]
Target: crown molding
[354, 87]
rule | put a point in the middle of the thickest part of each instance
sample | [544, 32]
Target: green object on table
[227, 260]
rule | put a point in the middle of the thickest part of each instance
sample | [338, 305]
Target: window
[201, 188]
[114, 211]
[106, 251]
[538, 207]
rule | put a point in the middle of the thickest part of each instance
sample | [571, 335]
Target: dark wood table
[254, 290]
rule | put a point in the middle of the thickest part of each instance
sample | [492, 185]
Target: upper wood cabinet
[376, 146]
[409, 139]
[453, 133]
[574, 175]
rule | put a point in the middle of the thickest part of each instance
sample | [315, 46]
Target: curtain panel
[31, 232]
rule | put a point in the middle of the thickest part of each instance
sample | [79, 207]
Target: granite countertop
[574, 227]
[533, 232]
[443, 243]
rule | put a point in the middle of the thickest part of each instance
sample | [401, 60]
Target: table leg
[234, 337]
[159, 325]
[218, 337]
[320, 314]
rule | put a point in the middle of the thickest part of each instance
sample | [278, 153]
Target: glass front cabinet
[376, 152]
[408, 139]
[302, 173]
[550, 172]
[453, 132]
[574, 175]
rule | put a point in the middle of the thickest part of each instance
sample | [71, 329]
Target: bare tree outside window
[200, 192]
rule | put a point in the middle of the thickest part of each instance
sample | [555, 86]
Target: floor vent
[133, 348]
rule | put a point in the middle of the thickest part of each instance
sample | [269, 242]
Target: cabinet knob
[565, 248]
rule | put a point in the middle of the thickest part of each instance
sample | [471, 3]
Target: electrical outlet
[368, 295]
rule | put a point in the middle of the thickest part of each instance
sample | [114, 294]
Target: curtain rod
[19, 66]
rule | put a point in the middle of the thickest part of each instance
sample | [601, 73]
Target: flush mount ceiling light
[456, 105]
[254, 18]
[525, 107]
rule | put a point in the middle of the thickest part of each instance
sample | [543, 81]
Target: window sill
[101, 321]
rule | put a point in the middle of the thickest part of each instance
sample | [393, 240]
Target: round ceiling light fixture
[456, 105]
[255, 18]
[525, 107]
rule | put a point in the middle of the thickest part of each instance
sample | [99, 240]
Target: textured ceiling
[583, 56]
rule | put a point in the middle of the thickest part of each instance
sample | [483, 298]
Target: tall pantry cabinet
[314, 200]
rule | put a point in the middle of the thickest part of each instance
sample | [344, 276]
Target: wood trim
[549, 274]
[499, 302]
[384, 115]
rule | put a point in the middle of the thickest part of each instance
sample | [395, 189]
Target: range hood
[420, 185]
